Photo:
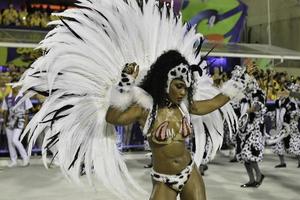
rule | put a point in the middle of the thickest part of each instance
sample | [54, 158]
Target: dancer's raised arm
[123, 109]
[204, 107]
[132, 114]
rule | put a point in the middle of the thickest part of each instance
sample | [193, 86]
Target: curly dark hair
[155, 82]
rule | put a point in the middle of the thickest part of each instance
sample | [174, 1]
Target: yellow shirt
[1, 94]
[23, 17]
[10, 15]
[35, 21]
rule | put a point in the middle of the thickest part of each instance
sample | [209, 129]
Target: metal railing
[21, 35]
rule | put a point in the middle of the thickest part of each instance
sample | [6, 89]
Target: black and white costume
[250, 139]
[177, 181]
[294, 112]
[287, 137]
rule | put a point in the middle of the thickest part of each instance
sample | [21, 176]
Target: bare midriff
[173, 156]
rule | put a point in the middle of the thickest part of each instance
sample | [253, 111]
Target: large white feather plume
[83, 59]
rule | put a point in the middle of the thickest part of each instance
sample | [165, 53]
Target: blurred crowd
[24, 18]
[270, 81]
[10, 75]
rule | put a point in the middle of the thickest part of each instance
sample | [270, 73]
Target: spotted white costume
[294, 112]
[287, 137]
[250, 139]
[176, 182]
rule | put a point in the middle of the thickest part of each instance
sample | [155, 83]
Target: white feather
[83, 58]
[213, 121]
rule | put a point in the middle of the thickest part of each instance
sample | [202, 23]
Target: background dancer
[287, 139]
[250, 140]
[15, 119]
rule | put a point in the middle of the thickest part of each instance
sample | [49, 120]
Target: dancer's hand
[131, 69]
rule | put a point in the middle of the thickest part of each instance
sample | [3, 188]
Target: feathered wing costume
[82, 60]
[209, 129]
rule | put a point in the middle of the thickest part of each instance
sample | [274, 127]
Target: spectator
[23, 17]
[35, 20]
[224, 77]
[10, 15]
[44, 19]
[0, 17]
[33, 17]
[217, 76]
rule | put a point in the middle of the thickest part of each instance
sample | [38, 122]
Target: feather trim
[122, 100]
[233, 89]
[142, 98]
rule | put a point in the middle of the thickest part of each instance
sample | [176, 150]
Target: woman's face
[178, 91]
